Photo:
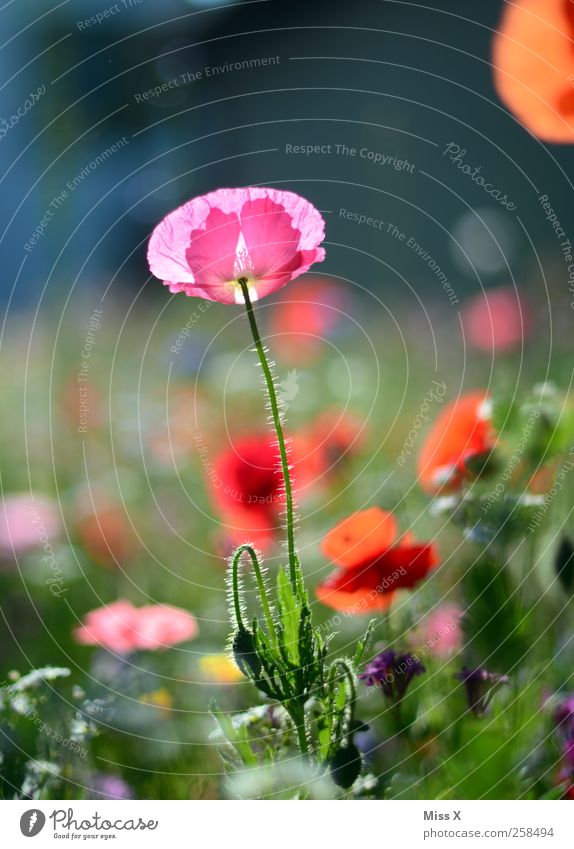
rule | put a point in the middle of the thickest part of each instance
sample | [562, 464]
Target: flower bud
[564, 565]
[245, 654]
[346, 765]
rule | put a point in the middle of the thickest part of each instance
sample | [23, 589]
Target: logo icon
[289, 389]
[32, 822]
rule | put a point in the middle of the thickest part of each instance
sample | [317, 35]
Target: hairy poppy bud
[357, 726]
[245, 654]
[564, 565]
[346, 766]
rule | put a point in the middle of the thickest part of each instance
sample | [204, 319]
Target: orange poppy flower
[373, 563]
[360, 536]
[462, 431]
[107, 537]
[533, 59]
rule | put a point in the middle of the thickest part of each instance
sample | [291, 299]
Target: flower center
[243, 271]
[238, 291]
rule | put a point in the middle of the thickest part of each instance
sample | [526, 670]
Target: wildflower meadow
[287, 416]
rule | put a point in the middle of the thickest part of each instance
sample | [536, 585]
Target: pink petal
[160, 626]
[270, 239]
[200, 250]
[26, 522]
[121, 627]
[212, 249]
[112, 627]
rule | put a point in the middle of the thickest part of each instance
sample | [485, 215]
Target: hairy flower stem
[293, 561]
[260, 586]
[346, 671]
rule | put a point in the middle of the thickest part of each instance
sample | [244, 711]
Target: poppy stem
[236, 593]
[293, 567]
[260, 586]
[298, 718]
[345, 670]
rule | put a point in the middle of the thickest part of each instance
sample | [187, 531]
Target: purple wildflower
[569, 754]
[564, 716]
[392, 672]
[480, 686]
[564, 719]
[111, 787]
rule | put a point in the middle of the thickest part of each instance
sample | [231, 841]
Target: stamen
[242, 264]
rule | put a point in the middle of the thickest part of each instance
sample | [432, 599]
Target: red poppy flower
[322, 448]
[303, 318]
[373, 562]
[247, 489]
[461, 432]
[533, 60]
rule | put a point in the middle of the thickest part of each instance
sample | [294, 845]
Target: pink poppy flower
[162, 625]
[121, 627]
[497, 320]
[440, 632]
[266, 236]
[26, 523]
[112, 626]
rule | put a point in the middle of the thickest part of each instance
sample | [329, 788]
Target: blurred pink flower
[440, 632]
[160, 625]
[121, 627]
[27, 522]
[267, 236]
[497, 320]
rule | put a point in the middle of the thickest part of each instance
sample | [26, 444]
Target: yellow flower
[158, 698]
[219, 669]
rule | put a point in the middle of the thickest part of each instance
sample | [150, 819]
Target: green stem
[339, 662]
[260, 586]
[386, 627]
[293, 564]
[236, 599]
[298, 719]
[342, 665]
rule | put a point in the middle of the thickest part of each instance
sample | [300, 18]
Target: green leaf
[324, 735]
[495, 623]
[236, 737]
[289, 616]
[363, 644]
